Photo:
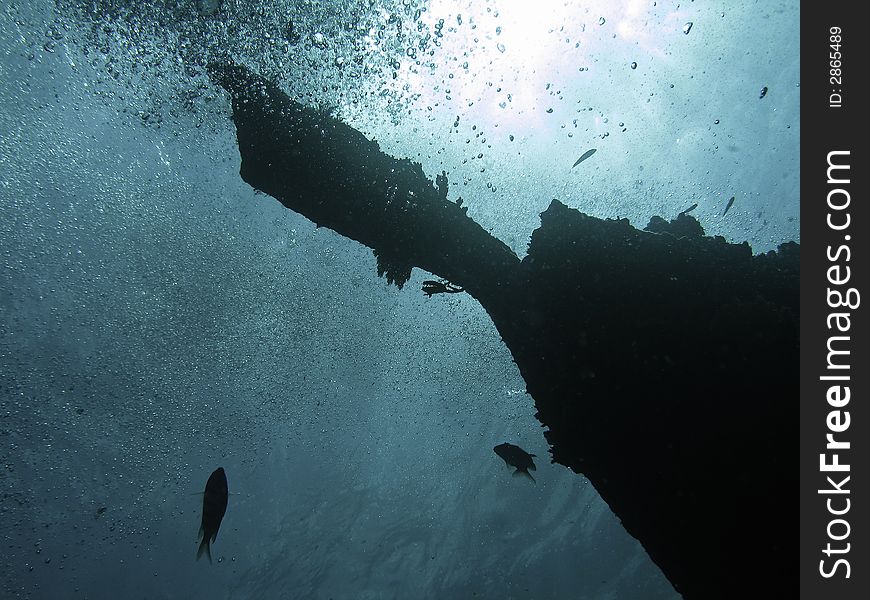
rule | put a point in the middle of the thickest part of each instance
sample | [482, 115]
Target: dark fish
[690, 209]
[214, 506]
[440, 287]
[586, 155]
[727, 206]
[763, 93]
[518, 458]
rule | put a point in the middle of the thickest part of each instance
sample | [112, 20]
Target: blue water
[159, 319]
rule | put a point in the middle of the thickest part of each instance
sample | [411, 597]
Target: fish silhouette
[518, 458]
[214, 506]
[585, 155]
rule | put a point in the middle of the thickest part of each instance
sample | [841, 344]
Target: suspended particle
[687, 27]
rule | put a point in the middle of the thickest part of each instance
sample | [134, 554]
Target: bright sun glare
[497, 57]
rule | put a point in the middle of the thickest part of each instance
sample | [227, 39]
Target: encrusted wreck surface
[663, 363]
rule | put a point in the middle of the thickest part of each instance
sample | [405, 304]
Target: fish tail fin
[520, 472]
[204, 547]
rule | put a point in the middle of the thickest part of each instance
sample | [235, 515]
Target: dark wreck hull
[663, 363]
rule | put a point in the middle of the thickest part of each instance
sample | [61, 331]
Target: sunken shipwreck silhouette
[663, 363]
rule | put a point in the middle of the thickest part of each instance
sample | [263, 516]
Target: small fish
[763, 93]
[727, 206]
[690, 209]
[586, 155]
[440, 287]
[518, 458]
[214, 506]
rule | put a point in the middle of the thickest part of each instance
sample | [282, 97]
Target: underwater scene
[398, 299]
